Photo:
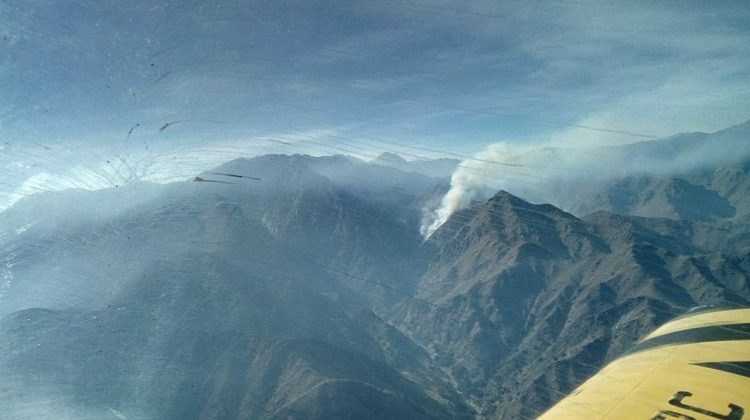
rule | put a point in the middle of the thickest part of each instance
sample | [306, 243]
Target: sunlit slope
[531, 301]
[695, 367]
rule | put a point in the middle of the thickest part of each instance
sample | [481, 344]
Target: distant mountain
[390, 159]
[719, 194]
[709, 182]
[436, 168]
[655, 178]
[706, 178]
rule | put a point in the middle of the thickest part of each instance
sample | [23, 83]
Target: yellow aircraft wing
[695, 367]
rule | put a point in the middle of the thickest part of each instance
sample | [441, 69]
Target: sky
[92, 81]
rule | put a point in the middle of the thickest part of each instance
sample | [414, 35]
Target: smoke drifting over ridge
[468, 181]
[549, 174]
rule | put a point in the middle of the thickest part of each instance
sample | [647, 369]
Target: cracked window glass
[365, 209]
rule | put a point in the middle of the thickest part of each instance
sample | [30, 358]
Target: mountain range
[299, 287]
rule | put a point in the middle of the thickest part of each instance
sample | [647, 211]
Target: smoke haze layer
[551, 173]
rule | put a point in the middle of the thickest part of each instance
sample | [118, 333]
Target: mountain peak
[505, 196]
[389, 158]
[504, 199]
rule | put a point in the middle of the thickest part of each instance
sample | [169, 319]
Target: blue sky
[366, 76]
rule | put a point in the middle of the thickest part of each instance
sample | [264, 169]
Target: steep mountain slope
[527, 300]
[214, 300]
[212, 342]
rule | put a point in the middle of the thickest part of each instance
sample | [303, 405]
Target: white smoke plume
[472, 177]
[552, 174]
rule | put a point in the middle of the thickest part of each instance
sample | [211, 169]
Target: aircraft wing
[695, 367]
